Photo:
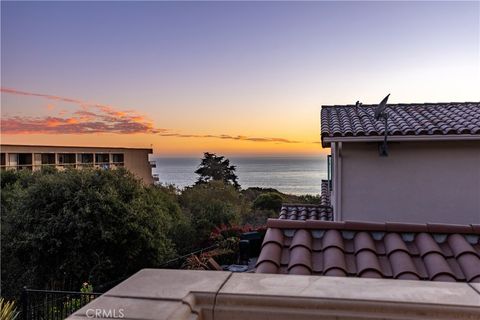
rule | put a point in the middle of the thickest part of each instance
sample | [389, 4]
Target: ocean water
[293, 175]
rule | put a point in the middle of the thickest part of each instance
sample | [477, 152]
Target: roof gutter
[458, 137]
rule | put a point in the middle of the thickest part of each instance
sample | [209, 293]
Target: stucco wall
[136, 160]
[417, 182]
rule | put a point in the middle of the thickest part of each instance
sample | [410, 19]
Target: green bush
[209, 205]
[59, 228]
[268, 201]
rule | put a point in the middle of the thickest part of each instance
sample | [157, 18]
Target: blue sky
[233, 68]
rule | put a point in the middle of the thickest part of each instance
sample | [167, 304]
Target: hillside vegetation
[62, 228]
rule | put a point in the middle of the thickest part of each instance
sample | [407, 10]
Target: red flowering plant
[224, 232]
[227, 238]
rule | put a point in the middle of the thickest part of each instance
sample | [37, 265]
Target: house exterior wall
[135, 160]
[417, 182]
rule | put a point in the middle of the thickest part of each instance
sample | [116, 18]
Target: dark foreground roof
[438, 252]
[323, 211]
[404, 120]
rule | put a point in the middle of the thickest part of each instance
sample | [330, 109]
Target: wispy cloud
[91, 117]
[87, 117]
[229, 137]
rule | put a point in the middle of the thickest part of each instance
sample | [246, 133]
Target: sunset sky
[227, 77]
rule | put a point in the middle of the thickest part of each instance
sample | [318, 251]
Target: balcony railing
[52, 305]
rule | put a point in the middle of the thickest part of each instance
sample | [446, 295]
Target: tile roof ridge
[443, 228]
[440, 104]
[303, 205]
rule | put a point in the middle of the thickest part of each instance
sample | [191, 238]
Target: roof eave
[457, 137]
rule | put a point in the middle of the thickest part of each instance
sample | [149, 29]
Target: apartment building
[34, 157]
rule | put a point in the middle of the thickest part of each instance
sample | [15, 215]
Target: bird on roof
[381, 107]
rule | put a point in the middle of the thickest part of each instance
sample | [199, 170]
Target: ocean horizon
[293, 175]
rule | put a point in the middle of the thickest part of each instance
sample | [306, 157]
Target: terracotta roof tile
[300, 256]
[470, 265]
[322, 211]
[460, 245]
[333, 261]
[394, 242]
[267, 267]
[302, 238]
[273, 235]
[404, 119]
[271, 253]
[332, 238]
[363, 241]
[360, 225]
[317, 262]
[385, 265]
[426, 244]
[285, 259]
[476, 228]
[367, 263]
[317, 244]
[334, 249]
[404, 227]
[403, 264]
[437, 267]
[455, 267]
[441, 228]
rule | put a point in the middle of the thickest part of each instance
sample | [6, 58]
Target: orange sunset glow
[78, 120]
[184, 83]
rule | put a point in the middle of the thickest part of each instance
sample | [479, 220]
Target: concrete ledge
[185, 294]
[161, 294]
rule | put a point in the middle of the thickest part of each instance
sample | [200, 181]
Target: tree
[216, 168]
[60, 229]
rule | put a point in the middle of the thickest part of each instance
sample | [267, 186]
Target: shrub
[268, 201]
[59, 228]
[209, 205]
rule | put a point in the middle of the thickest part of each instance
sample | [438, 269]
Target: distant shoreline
[290, 175]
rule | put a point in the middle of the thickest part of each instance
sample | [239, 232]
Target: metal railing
[51, 304]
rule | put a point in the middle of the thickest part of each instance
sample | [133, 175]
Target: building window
[102, 158]
[12, 161]
[48, 158]
[117, 157]
[117, 160]
[66, 159]
[329, 172]
[86, 158]
[25, 161]
[3, 161]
